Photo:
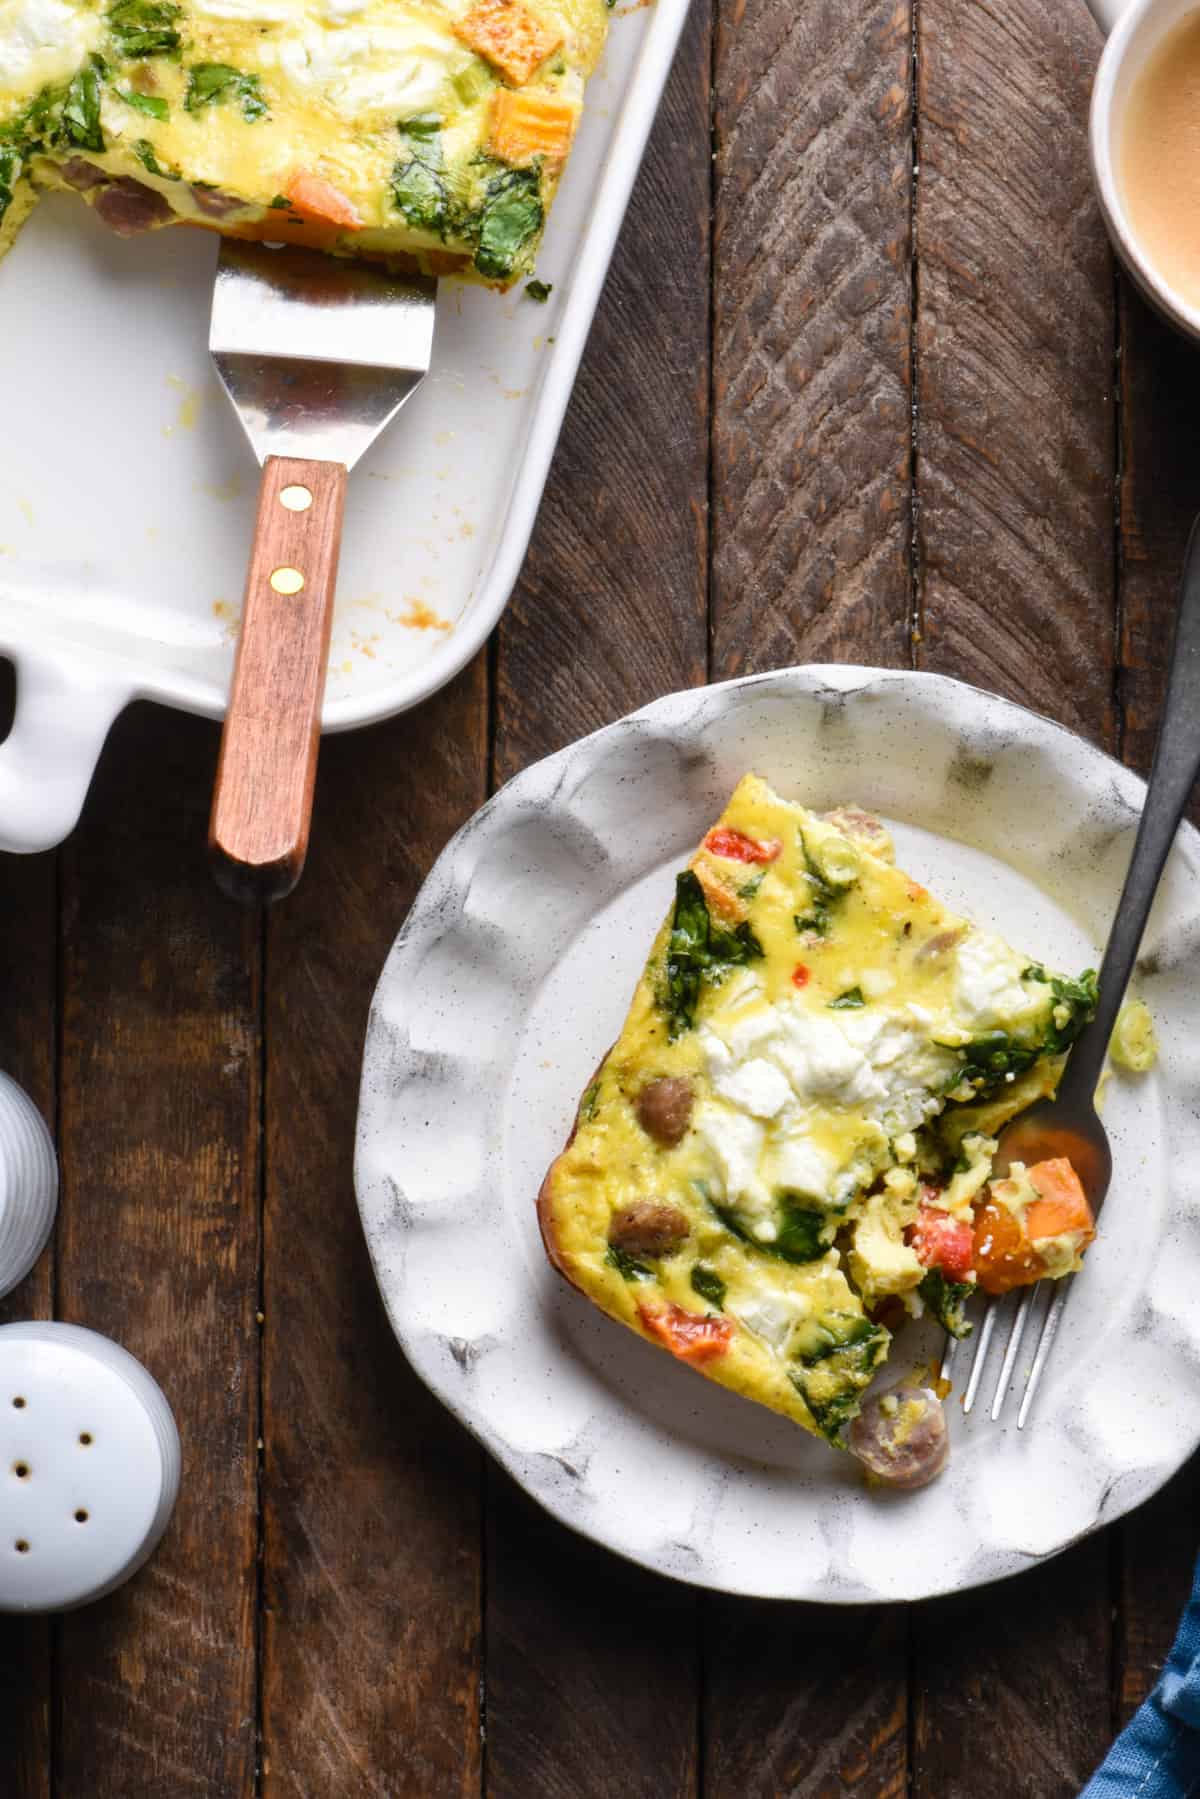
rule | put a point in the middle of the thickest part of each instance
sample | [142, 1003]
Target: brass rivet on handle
[287, 580]
[296, 498]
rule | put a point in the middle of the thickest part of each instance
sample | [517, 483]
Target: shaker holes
[85, 1437]
[81, 1516]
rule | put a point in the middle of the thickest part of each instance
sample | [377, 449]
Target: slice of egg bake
[431, 131]
[789, 1149]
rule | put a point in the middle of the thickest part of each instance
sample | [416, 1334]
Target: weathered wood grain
[1160, 498]
[371, 1660]
[28, 1052]
[1014, 471]
[1015, 344]
[805, 1700]
[609, 611]
[811, 533]
[811, 422]
[591, 1665]
[158, 1248]
[1158, 1553]
[1011, 1691]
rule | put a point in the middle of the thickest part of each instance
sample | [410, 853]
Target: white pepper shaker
[28, 1184]
[89, 1466]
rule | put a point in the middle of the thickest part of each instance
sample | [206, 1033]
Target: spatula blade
[317, 353]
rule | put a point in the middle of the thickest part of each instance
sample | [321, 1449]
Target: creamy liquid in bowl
[1158, 159]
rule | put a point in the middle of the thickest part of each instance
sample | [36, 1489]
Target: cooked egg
[385, 128]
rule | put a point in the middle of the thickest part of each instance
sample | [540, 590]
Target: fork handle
[1172, 777]
[262, 806]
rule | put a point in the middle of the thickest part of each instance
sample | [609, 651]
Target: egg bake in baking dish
[433, 131]
[789, 1150]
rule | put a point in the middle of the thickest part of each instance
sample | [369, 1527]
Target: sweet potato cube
[508, 36]
[315, 198]
[529, 125]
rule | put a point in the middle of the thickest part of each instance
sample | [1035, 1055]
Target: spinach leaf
[990, 1059]
[850, 1001]
[512, 215]
[420, 195]
[541, 292]
[825, 895]
[804, 1234]
[627, 1266]
[709, 1285]
[144, 28]
[698, 948]
[1075, 1001]
[150, 104]
[849, 1348]
[144, 151]
[212, 83]
[11, 166]
[946, 1299]
[839, 1331]
[80, 115]
[801, 1233]
[424, 128]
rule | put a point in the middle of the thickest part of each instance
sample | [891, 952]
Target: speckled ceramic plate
[511, 978]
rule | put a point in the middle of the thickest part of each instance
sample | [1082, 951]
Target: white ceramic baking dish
[127, 489]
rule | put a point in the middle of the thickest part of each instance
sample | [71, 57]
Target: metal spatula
[317, 354]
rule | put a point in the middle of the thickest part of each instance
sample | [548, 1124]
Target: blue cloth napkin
[1157, 1755]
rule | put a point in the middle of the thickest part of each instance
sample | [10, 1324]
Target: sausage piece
[81, 174]
[862, 827]
[648, 1228]
[940, 944]
[128, 206]
[664, 1109]
[214, 204]
[901, 1437]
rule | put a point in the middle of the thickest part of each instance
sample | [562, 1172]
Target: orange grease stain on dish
[421, 617]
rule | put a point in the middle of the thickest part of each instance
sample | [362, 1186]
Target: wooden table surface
[863, 387]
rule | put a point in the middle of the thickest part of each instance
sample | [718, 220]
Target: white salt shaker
[28, 1184]
[89, 1466]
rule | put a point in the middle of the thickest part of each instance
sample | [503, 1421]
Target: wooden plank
[158, 1248]
[1160, 443]
[1011, 1691]
[1158, 1553]
[1014, 336]
[371, 1660]
[1160, 417]
[610, 613]
[28, 1052]
[1015, 343]
[811, 531]
[805, 1701]
[811, 423]
[592, 1665]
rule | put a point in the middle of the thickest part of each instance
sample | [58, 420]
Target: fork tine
[1011, 1350]
[948, 1355]
[1045, 1343]
[982, 1344]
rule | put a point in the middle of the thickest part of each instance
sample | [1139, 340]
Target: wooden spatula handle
[258, 836]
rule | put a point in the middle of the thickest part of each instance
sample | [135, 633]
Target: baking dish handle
[48, 759]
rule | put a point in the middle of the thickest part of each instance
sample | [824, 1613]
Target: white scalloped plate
[511, 978]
